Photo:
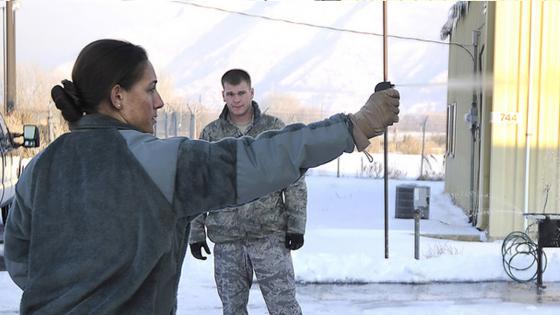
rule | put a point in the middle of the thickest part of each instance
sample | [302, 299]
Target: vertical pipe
[338, 167]
[10, 58]
[528, 124]
[192, 125]
[474, 123]
[416, 234]
[385, 137]
[539, 263]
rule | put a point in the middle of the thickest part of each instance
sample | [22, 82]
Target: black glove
[196, 250]
[294, 241]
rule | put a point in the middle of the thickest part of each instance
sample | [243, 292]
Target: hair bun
[67, 100]
[72, 92]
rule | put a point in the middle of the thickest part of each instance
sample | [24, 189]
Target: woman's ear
[117, 97]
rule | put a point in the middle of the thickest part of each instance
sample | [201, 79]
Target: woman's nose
[159, 102]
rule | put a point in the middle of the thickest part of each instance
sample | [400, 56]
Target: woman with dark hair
[99, 219]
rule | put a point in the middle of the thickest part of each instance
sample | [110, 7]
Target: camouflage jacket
[281, 211]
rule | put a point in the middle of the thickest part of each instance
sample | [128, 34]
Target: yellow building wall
[527, 82]
[482, 219]
[461, 71]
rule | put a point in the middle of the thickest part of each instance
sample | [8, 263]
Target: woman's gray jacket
[99, 218]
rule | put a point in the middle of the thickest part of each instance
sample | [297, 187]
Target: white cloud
[440, 78]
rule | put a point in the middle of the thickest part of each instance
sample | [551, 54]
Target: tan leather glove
[381, 110]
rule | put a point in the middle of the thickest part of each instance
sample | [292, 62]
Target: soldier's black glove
[196, 250]
[294, 241]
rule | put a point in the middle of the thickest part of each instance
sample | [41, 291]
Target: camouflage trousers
[270, 260]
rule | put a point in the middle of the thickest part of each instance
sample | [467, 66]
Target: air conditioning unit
[410, 197]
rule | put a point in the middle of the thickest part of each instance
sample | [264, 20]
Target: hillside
[326, 54]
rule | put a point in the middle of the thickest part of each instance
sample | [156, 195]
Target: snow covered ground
[344, 248]
[345, 245]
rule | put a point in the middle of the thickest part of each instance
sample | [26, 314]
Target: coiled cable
[519, 256]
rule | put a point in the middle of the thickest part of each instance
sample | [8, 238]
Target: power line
[330, 28]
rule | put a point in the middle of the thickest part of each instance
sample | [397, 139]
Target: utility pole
[10, 58]
[385, 139]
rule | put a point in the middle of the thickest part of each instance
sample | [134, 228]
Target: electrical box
[410, 197]
[549, 233]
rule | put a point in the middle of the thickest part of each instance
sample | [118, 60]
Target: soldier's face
[238, 99]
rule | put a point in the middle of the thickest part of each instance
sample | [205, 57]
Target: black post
[539, 265]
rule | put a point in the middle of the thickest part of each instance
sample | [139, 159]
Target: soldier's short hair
[236, 76]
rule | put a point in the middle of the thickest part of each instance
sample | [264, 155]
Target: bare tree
[34, 87]
[34, 105]
[288, 108]
[172, 98]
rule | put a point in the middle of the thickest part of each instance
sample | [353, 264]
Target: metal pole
[385, 137]
[10, 56]
[474, 125]
[192, 126]
[416, 234]
[539, 264]
[338, 167]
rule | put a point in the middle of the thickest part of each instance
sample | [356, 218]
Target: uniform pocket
[269, 213]
[223, 225]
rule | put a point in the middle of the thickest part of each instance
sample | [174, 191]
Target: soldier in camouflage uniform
[258, 236]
